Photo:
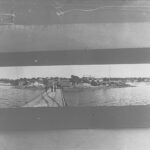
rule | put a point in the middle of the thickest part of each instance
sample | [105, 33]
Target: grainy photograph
[74, 74]
[75, 85]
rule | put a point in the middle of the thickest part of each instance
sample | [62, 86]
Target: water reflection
[139, 95]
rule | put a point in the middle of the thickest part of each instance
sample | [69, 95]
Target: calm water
[13, 97]
[139, 95]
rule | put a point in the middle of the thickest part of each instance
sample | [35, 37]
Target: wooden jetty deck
[48, 99]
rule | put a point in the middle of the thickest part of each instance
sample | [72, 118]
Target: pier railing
[63, 99]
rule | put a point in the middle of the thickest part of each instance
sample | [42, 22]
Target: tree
[94, 83]
[25, 82]
[105, 79]
[75, 80]
[85, 80]
[15, 83]
[45, 82]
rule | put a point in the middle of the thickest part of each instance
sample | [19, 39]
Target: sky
[121, 70]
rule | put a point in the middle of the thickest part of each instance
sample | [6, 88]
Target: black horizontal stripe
[76, 57]
[38, 119]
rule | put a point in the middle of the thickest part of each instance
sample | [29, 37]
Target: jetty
[48, 99]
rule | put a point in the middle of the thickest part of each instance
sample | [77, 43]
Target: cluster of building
[40, 82]
[72, 81]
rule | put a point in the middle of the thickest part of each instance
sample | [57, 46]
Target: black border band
[76, 57]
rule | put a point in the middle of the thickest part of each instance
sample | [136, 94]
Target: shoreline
[95, 87]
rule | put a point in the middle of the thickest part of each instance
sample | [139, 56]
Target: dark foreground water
[139, 95]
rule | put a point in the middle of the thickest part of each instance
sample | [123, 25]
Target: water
[139, 95]
[12, 97]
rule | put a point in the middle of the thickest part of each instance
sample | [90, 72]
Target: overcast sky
[130, 70]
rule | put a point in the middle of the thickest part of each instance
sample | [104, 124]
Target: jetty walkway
[48, 99]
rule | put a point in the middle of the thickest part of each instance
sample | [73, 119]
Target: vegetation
[74, 80]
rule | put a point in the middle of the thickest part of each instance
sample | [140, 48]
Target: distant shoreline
[79, 88]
